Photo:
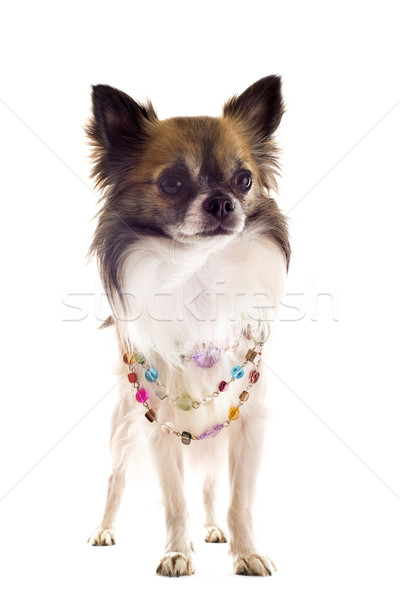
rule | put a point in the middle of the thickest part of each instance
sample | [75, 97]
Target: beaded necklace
[184, 401]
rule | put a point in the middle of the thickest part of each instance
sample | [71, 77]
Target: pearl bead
[161, 392]
[167, 428]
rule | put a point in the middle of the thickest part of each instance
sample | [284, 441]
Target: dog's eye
[171, 185]
[243, 180]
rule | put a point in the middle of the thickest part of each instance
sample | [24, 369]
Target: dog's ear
[117, 132]
[118, 122]
[259, 108]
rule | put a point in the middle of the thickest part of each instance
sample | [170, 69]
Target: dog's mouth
[220, 230]
[202, 228]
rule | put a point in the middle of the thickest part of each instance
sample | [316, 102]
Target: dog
[193, 253]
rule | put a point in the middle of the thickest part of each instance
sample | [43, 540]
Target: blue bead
[237, 372]
[151, 374]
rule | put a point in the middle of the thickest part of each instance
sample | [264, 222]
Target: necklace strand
[253, 356]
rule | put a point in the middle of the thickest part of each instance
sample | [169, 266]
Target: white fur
[178, 296]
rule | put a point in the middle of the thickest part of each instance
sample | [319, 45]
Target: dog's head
[190, 179]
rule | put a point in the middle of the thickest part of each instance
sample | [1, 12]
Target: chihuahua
[193, 252]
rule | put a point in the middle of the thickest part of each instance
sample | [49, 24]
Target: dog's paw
[253, 564]
[102, 537]
[215, 535]
[175, 564]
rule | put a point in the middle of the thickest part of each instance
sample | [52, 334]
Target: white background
[328, 499]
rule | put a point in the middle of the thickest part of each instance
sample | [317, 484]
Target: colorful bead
[132, 377]
[184, 402]
[251, 355]
[150, 415]
[223, 386]
[208, 358]
[142, 395]
[244, 396]
[248, 332]
[129, 359]
[186, 438]
[233, 413]
[253, 376]
[261, 335]
[167, 428]
[161, 392]
[151, 374]
[139, 358]
[211, 431]
[237, 372]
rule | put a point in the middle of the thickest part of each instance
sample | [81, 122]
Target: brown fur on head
[185, 178]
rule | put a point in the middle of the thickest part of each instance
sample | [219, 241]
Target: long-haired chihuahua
[192, 251]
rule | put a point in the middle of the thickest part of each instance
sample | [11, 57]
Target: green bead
[186, 438]
[184, 402]
[139, 358]
[262, 337]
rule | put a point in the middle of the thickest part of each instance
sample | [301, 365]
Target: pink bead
[223, 386]
[142, 395]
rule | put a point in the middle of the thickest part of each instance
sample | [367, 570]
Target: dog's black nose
[218, 206]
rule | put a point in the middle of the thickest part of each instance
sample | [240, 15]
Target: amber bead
[129, 359]
[233, 413]
[253, 376]
[186, 438]
[244, 396]
[132, 377]
[150, 415]
[251, 355]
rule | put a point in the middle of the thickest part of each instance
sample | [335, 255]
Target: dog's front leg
[245, 446]
[214, 533]
[177, 559]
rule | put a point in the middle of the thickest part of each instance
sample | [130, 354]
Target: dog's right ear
[118, 121]
[117, 129]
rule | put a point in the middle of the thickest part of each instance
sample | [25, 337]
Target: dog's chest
[181, 296]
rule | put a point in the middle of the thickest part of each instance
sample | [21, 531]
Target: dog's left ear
[259, 108]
